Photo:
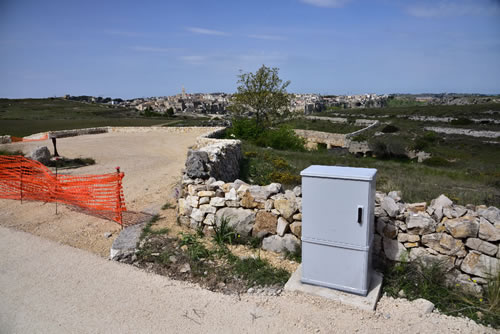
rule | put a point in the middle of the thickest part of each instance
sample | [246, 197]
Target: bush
[390, 129]
[244, 128]
[461, 121]
[283, 138]
[424, 141]
[393, 149]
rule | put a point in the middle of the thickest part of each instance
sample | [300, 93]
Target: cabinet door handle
[360, 214]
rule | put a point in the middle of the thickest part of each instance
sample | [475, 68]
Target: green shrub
[461, 121]
[390, 129]
[195, 249]
[437, 162]
[245, 128]
[283, 138]
[392, 149]
[224, 233]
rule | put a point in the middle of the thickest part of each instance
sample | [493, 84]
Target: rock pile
[265, 212]
[462, 239]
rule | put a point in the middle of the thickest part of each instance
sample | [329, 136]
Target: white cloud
[268, 37]
[204, 31]
[194, 59]
[326, 3]
[454, 8]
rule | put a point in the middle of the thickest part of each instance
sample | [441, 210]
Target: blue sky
[152, 48]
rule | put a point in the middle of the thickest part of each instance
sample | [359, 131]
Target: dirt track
[46, 287]
[152, 163]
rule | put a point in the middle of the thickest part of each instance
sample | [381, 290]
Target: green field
[22, 117]
[465, 168]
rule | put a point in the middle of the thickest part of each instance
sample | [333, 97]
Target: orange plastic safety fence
[26, 179]
[24, 139]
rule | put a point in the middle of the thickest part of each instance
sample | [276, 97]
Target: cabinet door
[336, 211]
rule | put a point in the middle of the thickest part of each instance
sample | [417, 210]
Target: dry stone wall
[464, 240]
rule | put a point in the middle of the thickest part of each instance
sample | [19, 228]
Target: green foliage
[425, 141]
[258, 271]
[296, 255]
[278, 138]
[262, 95]
[389, 128]
[419, 281]
[389, 149]
[8, 152]
[437, 162]
[71, 163]
[322, 125]
[170, 112]
[147, 229]
[224, 232]
[461, 121]
[195, 249]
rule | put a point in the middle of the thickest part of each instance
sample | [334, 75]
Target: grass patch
[259, 272]
[65, 163]
[322, 125]
[8, 152]
[147, 229]
[418, 281]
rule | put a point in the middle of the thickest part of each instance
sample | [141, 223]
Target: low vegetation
[414, 280]
[207, 260]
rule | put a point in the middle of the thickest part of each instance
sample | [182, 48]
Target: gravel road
[46, 287]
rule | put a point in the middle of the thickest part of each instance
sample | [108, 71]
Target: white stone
[231, 195]
[394, 250]
[204, 200]
[482, 246]
[217, 201]
[282, 226]
[488, 231]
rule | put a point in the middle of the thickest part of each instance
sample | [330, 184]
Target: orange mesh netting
[26, 179]
[24, 139]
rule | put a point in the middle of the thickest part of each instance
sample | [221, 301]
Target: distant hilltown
[217, 103]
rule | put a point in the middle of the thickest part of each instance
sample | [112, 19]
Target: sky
[147, 48]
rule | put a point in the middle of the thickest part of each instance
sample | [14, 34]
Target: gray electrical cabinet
[337, 227]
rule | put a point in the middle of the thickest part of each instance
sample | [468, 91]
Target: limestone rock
[40, 154]
[206, 193]
[204, 200]
[193, 201]
[394, 250]
[247, 200]
[390, 206]
[426, 258]
[278, 244]
[488, 231]
[184, 208]
[265, 223]
[444, 244]
[231, 195]
[207, 208]
[286, 207]
[379, 212]
[480, 265]
[196, 164]
[269, 205]
[423, 306]
[297, 191]
[241, 190]
[417, 207]
[405, 237]
[240, 219]
[410, 244]
[296, 228]
[492, 214]
[263, 193]
[298, 200]
[198, 215]
[438, 204]
[282, 226]
[463, 227]
[217, 201]
[482, 246]
[418, 223]
[297, 216]
[390, 231]
[395, 195]
[209, 219]
[233, 204]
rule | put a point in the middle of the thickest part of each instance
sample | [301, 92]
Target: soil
[152, 164]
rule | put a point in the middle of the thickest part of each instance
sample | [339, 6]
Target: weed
[259, 272]
[167, 206]
[296, 255]
[224, 232]
[195, 249]
[70, 163]
[147, 229]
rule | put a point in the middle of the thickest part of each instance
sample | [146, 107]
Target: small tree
[262, 95]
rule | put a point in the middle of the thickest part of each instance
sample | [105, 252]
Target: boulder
[462, 227]
[390, 231]
[247, 200]
[240, 220]
[492, 214]
[196, 164]
[481, 265]
[286, 207]
[394, 250]
[297, 191]
[418, 223]
[390, 206]
[482, 246]
[488, 231]
[278, 244]
[282, 227]
[417, 207]
[265, 223]
[296, 228]
[40, 154]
